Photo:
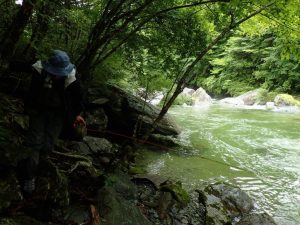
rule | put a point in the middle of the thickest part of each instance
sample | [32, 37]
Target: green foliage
[137, 170]
[248, 62]
[182, 99]
[152, 45]
[177, 191]
[265, 96]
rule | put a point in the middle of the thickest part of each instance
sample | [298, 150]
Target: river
[257, 150]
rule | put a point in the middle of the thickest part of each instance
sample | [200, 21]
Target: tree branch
[185, 77]
[116, 47]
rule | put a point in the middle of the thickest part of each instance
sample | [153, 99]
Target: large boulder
[117, 205]
[257, 219]
[250, 97]
[200, 97]
[286, 100]
[226, 204]
[188, 92]
[99, 150]
[127, 112]
[193, 97]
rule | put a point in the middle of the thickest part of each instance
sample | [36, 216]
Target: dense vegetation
[226, 46]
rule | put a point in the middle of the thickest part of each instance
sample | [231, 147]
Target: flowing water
[257, 150]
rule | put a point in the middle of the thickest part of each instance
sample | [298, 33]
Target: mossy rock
[137, 170]
[177, 191]
[265, 96]
[286, 100]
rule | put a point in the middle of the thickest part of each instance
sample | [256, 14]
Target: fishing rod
[141, 141]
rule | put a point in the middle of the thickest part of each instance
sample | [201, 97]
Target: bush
[264, 96]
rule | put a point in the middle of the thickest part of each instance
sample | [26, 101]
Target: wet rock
[257, 219]
[117, 205]
[235, 200]
[226, 205]
[166, 126]
[163, 208]
[177, 191]
[93, 146]
[155, 180]
[125, 110]
[163, 142]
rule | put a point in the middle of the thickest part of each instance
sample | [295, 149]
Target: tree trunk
[9, 41]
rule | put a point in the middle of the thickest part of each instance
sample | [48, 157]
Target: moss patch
[137, 170]
[286, 100]
[177, 191]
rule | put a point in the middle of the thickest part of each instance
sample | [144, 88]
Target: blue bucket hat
[58, 64]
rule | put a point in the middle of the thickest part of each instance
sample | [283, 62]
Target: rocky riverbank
[95, 181]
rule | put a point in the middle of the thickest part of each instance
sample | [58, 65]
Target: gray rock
[200, 97]
[224, 203]
[164, 141]
[152, 178]
[80, 147]
[99, 146]
[125, 109]
[187, 92]
[117, 206]
[234, 199]
[250, 97]
[257, 219]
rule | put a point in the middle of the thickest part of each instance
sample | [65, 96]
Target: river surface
[257, 150]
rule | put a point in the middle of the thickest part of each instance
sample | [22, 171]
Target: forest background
[227, 47]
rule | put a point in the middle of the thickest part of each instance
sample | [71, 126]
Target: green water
[257, 150]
